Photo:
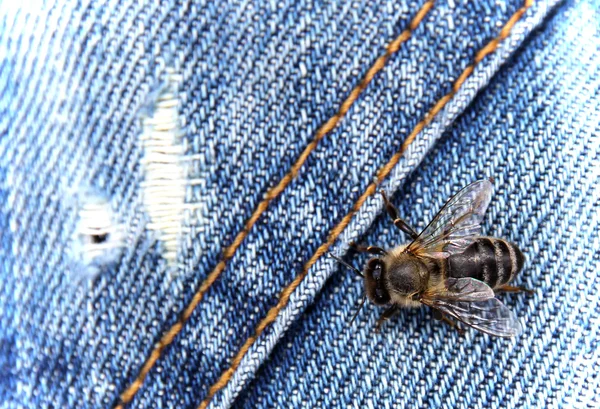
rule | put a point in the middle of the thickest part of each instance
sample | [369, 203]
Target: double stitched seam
[371, 189]
[229, 251]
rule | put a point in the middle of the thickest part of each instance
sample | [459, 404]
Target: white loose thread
[164, 185]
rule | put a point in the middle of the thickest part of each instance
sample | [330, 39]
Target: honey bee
[449, 267]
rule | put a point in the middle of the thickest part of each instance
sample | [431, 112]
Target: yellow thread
[228, 253]
[273, 313]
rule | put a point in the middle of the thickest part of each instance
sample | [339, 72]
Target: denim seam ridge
[371, 189]
[129, 393]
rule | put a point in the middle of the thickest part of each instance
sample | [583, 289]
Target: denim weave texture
[536, 130]
[255, 81]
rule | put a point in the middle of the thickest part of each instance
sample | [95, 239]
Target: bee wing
[455, 226]
[472, 302]
[463, 289]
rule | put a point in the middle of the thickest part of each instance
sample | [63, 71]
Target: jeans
[173, 174]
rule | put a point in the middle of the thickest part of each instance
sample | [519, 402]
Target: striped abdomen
[493, 261]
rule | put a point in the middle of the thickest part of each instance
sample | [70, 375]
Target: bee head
[375, 272]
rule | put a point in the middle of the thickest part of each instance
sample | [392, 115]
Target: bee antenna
[359, 308]
[339, 260]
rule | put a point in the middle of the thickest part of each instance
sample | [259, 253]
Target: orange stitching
[371, 189]
[228, 253]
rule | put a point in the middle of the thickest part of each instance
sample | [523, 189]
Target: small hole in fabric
[98, 241]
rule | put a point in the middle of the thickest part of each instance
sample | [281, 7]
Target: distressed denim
[253, 83]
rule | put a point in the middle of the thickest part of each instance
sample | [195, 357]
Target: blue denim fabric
[536, 130]
[257, 81]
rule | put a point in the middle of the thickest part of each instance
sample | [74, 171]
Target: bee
[449, 267]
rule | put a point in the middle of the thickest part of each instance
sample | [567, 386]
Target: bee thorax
[406, 274]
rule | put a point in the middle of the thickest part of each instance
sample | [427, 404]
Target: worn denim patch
[197, 125]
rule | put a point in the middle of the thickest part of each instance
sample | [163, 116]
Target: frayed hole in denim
[165, 166]
[98, 240]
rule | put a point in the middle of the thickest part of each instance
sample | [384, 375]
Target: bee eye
[379, 293]
[377, 272]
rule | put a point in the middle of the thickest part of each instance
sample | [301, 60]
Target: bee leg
[368, 249]
[387, 314]
[512, 289]
[398, 222]
[439, 316]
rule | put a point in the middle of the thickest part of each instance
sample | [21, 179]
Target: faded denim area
[536, 129]
[255, 80]
[333, 177]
